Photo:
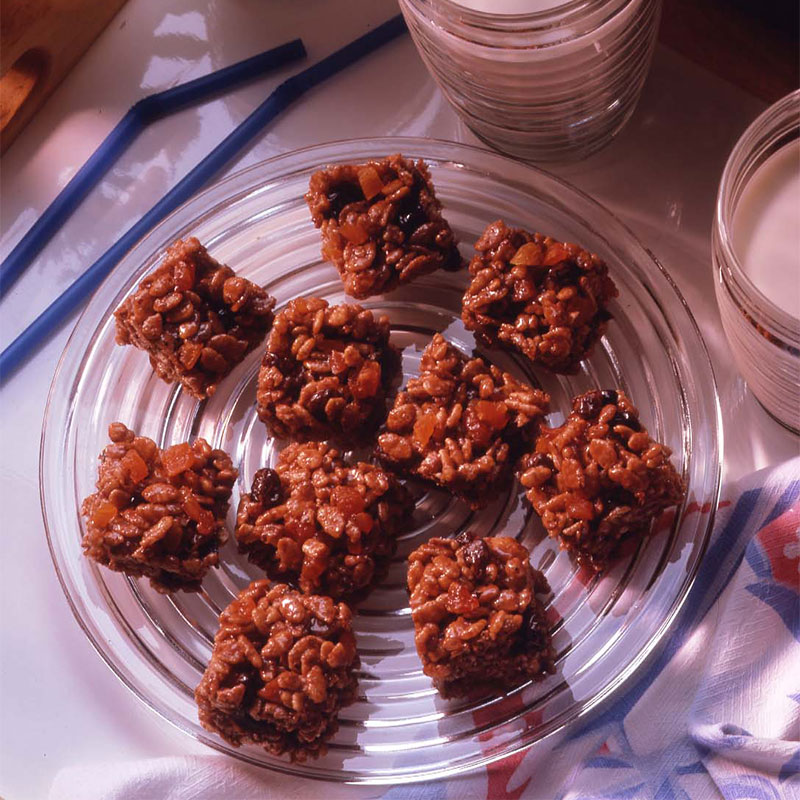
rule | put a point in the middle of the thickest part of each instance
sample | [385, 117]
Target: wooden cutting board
[40, 41]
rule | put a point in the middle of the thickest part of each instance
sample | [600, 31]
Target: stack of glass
[541, 80]
[756, 253]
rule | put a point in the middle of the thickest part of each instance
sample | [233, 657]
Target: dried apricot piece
[370, 182]
[348, 500]
[354, 233]
[368, 380]
[529, 255]
[178, 459]
[103, 513]
[135, 465]
[493, 413]
[424, 427]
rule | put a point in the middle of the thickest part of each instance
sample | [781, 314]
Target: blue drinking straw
[147, 110]
[54, 316]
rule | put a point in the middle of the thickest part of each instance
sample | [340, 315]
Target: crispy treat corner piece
[194, 317]
[381, 224]
[323, 524]
[544, 298]
[478, 625]
[283, 665]
[599, 478]
[461, 424]
[326, 371]
[158, 513]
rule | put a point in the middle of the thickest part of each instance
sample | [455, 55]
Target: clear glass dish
[399, 730]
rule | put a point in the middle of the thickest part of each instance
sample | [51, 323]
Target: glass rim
[778, 124]
[535, 22]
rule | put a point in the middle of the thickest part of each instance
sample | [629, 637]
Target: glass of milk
[541, 80]
[756, 253]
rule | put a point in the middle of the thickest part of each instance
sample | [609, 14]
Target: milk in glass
[766, 229]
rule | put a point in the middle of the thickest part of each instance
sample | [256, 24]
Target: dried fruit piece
[177, 459]
[135, 466]
[424, 426]
[102, 513]
[354, 233]
[493, 413]
[529, 255]
[476, 556]
[370, 182]
[267, 487]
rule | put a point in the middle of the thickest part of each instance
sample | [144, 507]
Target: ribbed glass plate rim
[257, 178]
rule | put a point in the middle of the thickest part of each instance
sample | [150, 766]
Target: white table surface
[59, 704]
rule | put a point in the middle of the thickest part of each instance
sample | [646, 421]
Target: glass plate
[399, 729]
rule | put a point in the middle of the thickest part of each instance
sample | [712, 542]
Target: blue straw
[147, 110]
[47, 323]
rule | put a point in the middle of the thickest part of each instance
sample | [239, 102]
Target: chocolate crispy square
[599, 478]
[478, 625]
[381, 224]
[283, 664]
[322, 523]
[326, 371]
[158, 513]
[544, 298]
[195, 318]
[461, 423]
